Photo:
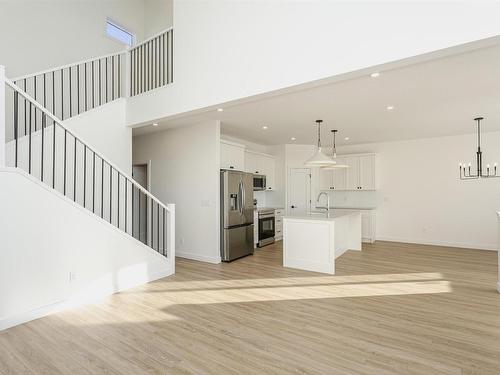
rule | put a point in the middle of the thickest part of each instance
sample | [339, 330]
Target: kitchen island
[313, 242]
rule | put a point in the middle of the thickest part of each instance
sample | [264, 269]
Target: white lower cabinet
[368, 223]
[278, 227]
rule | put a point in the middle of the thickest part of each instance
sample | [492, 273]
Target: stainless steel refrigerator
[236, 212]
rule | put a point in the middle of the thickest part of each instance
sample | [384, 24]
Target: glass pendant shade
[319, 159]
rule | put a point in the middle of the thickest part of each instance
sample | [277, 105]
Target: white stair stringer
[56, 254]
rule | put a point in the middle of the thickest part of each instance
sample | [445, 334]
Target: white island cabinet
[313, 242]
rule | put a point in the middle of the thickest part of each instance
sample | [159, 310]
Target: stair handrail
[149, 39]
[67, 66]
[82, 140]
[70, 65]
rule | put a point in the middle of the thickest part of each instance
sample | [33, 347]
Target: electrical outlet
[182, 240]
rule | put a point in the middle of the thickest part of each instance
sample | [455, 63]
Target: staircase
[36, 142]
[39, 142]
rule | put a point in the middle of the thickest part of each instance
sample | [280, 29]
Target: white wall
[498, 248]
[105, 130]
[185, 166]
[226, 50]
[158, 16]
[37, 35]
[40, 250]
[421, 198]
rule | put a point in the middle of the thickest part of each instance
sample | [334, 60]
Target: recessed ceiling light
[346, 138]
[390, 107]
[375, 75]
[155, 124]
[293, 139]
[264, 127]
[220, 109]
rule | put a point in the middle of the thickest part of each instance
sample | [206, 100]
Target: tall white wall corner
[2, 116]
[171, 234]
[498, 248]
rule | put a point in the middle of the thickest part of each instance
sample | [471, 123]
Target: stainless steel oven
[266, 227]
[259, 182]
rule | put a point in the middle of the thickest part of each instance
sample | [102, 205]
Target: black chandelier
[466, 171]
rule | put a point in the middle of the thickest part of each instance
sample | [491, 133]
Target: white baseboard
[101, 291]
[195, 256]
[491, 247]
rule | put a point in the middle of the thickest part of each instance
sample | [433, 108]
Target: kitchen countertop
[268, 208]
[319, 216]
[353, 208]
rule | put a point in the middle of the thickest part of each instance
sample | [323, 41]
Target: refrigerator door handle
[243, 198]
[240, 196]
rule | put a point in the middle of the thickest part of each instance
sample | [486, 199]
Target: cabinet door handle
[293, 206]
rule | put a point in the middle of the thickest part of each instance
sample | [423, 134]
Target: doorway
[140, 174]
[140, 202]
[299, 188]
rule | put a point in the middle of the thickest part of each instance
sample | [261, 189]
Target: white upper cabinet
[333, 179]
[263, 164]
[268, 167]
[252, 163]
[340, 176]
[232, 156]
[360, 174]
[352, 173]
[367, 172]
[325, 179]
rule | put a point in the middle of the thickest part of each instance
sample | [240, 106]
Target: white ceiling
[430, 99]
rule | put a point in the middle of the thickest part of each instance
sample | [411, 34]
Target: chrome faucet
[327, 200]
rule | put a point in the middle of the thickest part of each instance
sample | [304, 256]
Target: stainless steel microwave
[259, 182]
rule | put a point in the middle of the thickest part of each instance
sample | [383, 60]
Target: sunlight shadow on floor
[204, 285]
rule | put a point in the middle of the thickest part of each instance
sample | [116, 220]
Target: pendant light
[319, 159]
[465, 170]
[334, 154]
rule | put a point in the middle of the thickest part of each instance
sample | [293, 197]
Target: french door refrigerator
[236, 212]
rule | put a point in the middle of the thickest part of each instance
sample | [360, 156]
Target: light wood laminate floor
[391, 309]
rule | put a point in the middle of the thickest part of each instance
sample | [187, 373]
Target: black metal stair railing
[69, 90]
[151, 63]
[39, 143]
